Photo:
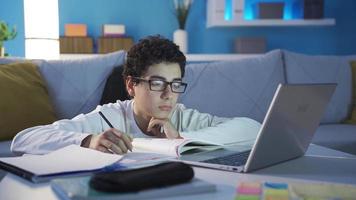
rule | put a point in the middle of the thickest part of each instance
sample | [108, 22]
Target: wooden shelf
[278, 22]
[76, 45]
[111, 44]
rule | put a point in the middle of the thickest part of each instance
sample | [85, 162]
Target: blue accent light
[228, 10]
[248, 12]
[287, 12]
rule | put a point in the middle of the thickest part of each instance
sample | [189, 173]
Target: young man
[153, 74]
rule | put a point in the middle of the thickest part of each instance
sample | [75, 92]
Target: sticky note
[247, 197]
[249, 188]
[273, 197]
[275, 192]
[276, 185]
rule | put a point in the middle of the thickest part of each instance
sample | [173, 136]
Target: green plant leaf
[6, 33]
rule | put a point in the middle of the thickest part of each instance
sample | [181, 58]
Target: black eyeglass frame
[166, 83]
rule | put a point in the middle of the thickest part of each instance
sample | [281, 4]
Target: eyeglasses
[161, 85]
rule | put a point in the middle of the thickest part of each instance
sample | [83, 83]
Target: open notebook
[173, 147]
[69, 160]
[74, 160]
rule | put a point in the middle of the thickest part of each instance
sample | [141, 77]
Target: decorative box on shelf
[75, 30]
[113, 30]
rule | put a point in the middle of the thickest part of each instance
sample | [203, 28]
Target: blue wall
[146, 17]
[11, 11]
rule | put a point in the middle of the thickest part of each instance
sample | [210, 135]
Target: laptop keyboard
[232, 160]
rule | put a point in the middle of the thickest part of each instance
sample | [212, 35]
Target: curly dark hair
[149, 51]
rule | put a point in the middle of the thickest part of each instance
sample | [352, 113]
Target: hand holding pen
[109, 141]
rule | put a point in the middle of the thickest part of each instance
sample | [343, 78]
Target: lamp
[41, 29]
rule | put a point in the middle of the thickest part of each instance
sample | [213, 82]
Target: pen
[106, 120]
[110, 125]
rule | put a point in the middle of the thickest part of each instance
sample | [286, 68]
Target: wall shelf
[280, 22]
[236, 13]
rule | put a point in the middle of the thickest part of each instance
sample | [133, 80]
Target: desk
[319, 164]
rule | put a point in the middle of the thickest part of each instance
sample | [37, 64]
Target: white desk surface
[319, 164]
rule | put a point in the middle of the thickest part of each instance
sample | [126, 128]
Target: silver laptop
[286, 132]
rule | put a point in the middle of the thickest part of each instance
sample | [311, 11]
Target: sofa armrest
[5, 149]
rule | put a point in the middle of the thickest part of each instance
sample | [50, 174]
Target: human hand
[162, 128]
[109, 141]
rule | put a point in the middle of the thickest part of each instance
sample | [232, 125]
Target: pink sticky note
[249, 188]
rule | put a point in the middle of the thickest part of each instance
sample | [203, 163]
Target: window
[41, 29]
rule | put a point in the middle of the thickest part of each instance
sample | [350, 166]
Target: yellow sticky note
[276, 192]
[247, 197]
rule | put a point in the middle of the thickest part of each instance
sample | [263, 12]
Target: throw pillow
[114, 87]
[250, 82]
[302, 68]
[352, 119]
[24, 99]
[76, 85]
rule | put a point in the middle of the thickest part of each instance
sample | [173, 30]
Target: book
[74, 160]
[70, 160]
[78, 188]
[173, 147]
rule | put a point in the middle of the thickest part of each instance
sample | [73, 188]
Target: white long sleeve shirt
[189, 123]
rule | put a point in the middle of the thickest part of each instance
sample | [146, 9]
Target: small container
[270, 10]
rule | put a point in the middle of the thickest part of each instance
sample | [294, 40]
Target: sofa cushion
[7, 60]
[76, 85]
[234, 88]
[24, 99]
[302, 68]
[352, 118]
[337, 136]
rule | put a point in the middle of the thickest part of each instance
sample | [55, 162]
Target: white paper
[157, 145]
[172, 147]
[133, 160]
[68, 159]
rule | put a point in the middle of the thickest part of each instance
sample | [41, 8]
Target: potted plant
[6, 34]
[182, 8]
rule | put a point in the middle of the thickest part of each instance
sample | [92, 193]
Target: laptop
[286, 132]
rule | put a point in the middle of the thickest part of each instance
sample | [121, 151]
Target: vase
[2, 51]
[180, 38]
